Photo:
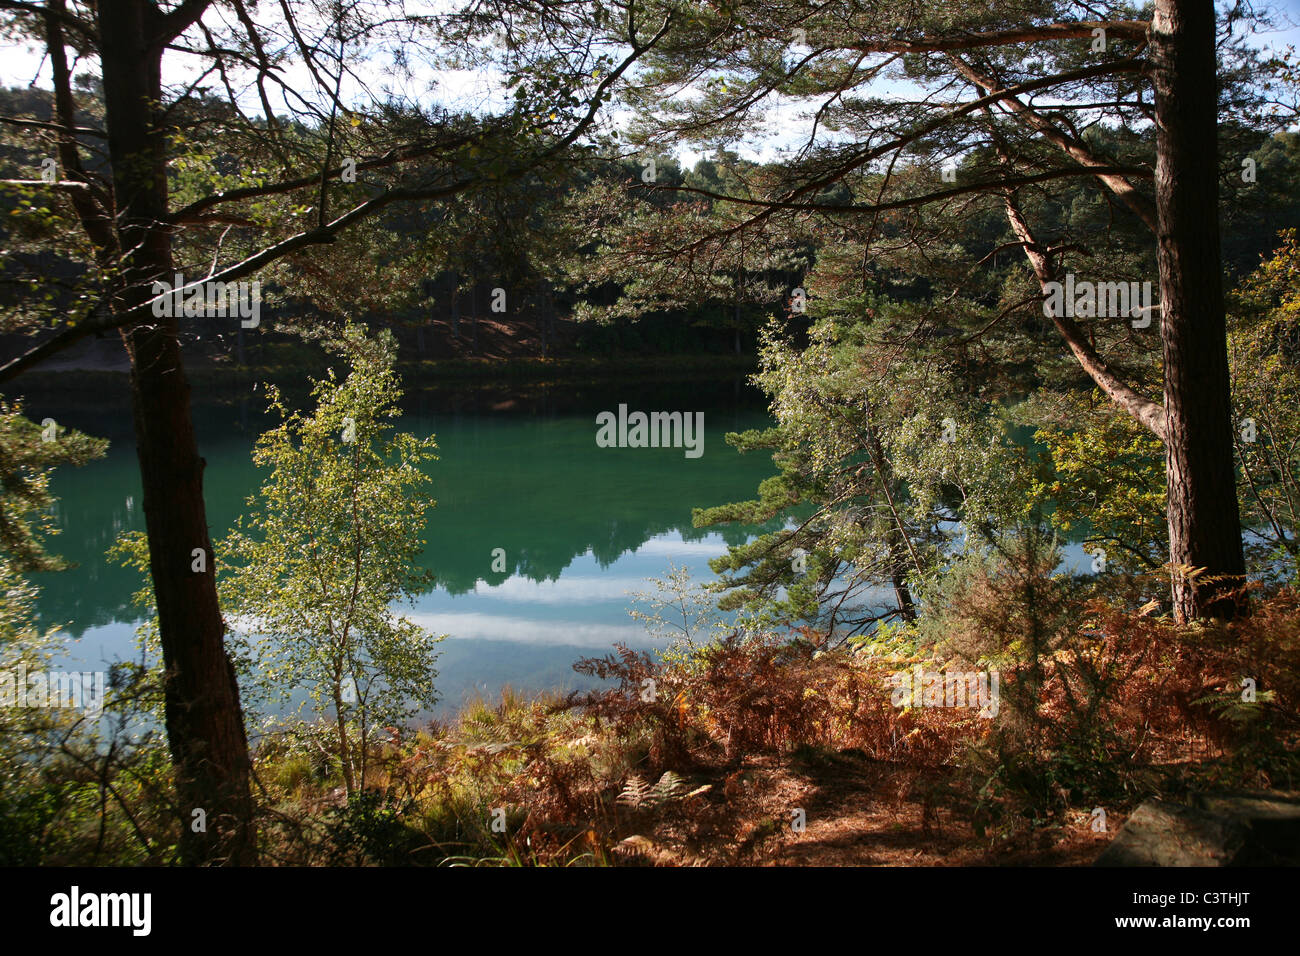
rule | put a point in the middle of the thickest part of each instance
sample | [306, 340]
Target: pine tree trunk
[205, 727]
[1204, 522]
[902, 593]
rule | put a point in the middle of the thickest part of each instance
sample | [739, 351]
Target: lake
[581, 526]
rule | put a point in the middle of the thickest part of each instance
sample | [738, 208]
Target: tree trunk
[205, 727]
[455, 306]
[345, 748]
[902, 593]
[1204, 522]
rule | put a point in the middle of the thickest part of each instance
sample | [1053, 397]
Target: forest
[933, 369]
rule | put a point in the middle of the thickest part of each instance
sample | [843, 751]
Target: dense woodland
[934, 281]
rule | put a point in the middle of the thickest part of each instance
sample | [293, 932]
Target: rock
[1220, 829]
[1170, 834]
[1274, 818]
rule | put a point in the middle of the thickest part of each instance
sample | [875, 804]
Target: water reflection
[580, 526]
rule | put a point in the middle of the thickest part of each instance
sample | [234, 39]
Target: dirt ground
[856, 812]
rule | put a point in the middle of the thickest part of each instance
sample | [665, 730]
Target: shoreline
[419, 375]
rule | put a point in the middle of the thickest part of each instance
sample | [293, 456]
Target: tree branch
[1075, 148]
[1149, 413]
[168, 26]
[248, 266]
[1132, 29]
[1011, 182]
[43, 10]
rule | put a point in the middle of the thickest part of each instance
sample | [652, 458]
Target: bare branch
[1132, 29]
[1075, 148]
[997, 185]
[1149, 413]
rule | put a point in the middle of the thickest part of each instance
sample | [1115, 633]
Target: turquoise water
[581, 526]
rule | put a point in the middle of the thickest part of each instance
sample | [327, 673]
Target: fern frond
[636, 792]
[669, 787]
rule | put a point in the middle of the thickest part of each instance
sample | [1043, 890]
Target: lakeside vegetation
[942, 417]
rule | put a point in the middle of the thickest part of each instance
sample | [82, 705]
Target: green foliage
[370, 829]
[885, 469]
[30, 803]
[641, 266]
[24, 731]
[25, 818]
[1105, 474]
[1264, 354]
[28, 454]
[329, 544]
[679, 611]
[72, 789]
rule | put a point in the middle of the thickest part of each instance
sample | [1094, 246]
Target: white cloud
[708, 548]
[567, 590]
[501, 627]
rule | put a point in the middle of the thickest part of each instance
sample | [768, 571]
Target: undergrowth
[1100, 705]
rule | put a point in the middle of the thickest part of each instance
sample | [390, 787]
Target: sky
[476, 90]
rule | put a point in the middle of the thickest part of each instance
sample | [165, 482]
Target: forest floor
[856, 812]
